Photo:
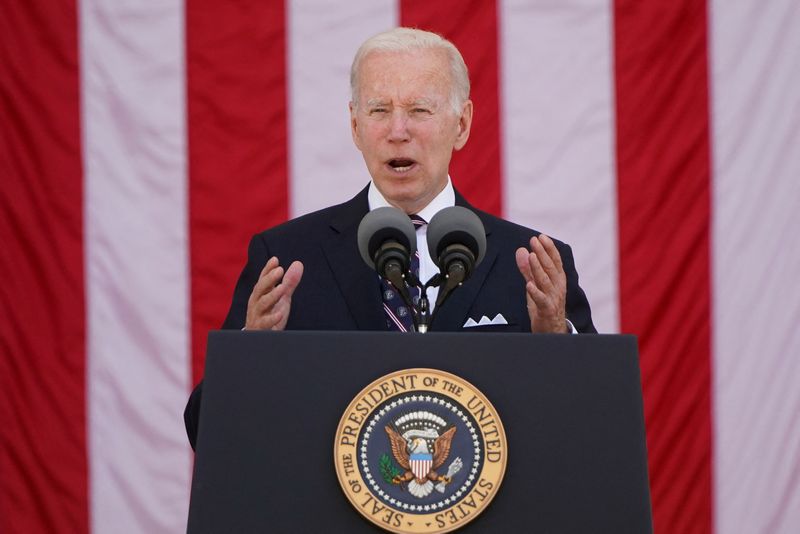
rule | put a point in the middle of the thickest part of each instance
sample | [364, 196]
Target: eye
[420, 110]
[377, 111]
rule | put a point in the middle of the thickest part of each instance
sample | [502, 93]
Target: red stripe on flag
[42, 331]
[663, 157]
[238, 156]
[476, 169]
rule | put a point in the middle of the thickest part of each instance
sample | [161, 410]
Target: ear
[464, 125]
[354, 125]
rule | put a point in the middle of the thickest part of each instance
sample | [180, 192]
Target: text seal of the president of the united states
[420, 450]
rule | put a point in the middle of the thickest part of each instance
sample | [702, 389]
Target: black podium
[571, 407]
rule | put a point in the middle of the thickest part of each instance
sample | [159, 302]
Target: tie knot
[417, 221]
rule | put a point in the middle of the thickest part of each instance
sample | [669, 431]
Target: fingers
[542, 265]
[552, 251]
[270, 300]
[542, 268]
[546, 284]
[270, 276]
[277, 303]
[267, 301]
[271, 264]
[548, 255]
[533, 273]
[523, 264]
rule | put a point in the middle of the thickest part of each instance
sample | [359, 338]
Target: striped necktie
[398, 315]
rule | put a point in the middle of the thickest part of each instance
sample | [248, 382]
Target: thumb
[292, 277]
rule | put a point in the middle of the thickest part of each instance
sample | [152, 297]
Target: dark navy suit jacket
[339, 291]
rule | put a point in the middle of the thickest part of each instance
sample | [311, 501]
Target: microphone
[457, 244]
[386, 238]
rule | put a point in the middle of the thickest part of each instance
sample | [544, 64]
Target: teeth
[397, 166]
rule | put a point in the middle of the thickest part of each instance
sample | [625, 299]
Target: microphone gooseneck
[392, 261]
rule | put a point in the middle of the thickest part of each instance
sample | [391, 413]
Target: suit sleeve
[257, 256]
[578, 311]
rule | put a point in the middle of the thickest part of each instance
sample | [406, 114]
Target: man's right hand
[271, 299]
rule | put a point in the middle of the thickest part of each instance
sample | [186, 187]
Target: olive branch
[388, 469]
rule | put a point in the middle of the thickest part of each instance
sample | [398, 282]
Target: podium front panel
[571, 407]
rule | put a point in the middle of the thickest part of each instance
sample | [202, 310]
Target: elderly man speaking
[410, 109]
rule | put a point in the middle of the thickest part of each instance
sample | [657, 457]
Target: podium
[571, 407]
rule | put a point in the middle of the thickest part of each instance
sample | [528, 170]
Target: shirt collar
[445, 199]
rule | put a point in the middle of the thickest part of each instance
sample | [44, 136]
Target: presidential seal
[420, 450]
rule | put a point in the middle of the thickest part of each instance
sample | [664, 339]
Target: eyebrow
[418, 102]
[422, 102]
[376, 102]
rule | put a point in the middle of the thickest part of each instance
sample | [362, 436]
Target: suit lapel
[453, 312]
[358, 283]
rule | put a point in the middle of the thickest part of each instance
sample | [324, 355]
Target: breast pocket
[511, 327]
[492, 323]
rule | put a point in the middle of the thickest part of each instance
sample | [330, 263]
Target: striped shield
[420, 464]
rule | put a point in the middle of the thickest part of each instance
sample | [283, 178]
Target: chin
[402, 194]
[395, 189]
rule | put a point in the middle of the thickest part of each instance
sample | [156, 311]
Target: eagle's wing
[399, 449]
[441, 447]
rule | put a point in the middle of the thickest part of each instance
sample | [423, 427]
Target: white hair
[410, 39]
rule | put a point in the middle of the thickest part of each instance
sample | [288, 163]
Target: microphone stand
[453, 279]
[424, 312]
[422, 315]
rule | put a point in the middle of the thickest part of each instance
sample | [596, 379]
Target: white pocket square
[498, 319]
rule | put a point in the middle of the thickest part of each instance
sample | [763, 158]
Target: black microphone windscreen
[381, 225]
[456, 225]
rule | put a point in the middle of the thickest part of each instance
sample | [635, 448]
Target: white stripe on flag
[325, 167]
[132, 59]
[756, 216]
[558, 134]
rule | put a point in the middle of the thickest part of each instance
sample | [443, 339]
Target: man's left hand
[546, 285]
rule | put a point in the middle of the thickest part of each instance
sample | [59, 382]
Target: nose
[398, 127]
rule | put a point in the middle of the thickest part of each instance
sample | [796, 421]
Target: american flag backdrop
[143, 142]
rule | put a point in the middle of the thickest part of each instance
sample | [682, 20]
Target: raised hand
[271, 299]
[546, 285]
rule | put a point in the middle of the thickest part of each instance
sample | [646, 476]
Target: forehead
[404, 75]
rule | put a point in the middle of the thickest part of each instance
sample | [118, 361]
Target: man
[410, 110]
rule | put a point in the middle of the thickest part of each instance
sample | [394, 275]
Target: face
[405, 126]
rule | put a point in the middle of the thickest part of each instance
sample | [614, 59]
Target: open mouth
[401, 164]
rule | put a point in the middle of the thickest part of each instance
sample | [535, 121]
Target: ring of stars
[419, 508]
